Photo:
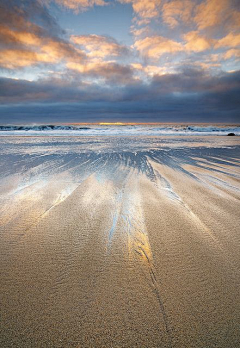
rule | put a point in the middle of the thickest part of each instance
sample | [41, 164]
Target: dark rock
[231, 134]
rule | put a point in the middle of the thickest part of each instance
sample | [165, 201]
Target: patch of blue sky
[114, 20]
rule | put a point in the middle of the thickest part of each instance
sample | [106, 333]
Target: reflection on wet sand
[120, 242]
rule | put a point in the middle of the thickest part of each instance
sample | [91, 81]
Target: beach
[120, 241]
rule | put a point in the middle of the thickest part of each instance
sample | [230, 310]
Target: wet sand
[120, 242]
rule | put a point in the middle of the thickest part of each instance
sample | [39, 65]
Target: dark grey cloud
[168, 110]
[187, 96]
[196, 81]
[70, 86]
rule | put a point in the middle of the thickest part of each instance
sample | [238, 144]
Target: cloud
[211, 13]
[95, 69]
[156, 46]
[12, 59]
[196, 42]
[140, 32]
[47, 52]
[28, 15]
[146, 9]
[25, 43]
[233, 53]
[149, 70]
[99, 46]
[79, 5]
[233, 23]
[202, 14]
[24, 37]
[229, 40]
[109, 72]
[189, 95]
[177, 11]
[71, 88]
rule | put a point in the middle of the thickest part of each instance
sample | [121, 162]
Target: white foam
[135, 130]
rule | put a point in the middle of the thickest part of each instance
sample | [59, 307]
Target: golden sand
[113, 255]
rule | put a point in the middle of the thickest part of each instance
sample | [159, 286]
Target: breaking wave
[133, 130]
[40, 128]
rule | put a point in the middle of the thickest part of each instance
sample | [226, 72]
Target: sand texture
[120, 242]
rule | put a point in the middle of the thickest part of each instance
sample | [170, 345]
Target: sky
[64, 61]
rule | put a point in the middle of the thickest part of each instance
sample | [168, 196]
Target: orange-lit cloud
[51, 52]
[201, 14]
[149, 70]
[233, 53]
[230, 40]
[22, 37]
[212, 12]
[196, 42]
[80, 5]
[178, 48]
[99, 46]
[145, 8]
[140, 32]
[177, 11]
[106, 70]
[233, 24]
[11, 59]
[27, 42]
[155, 47]
[33, 50]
